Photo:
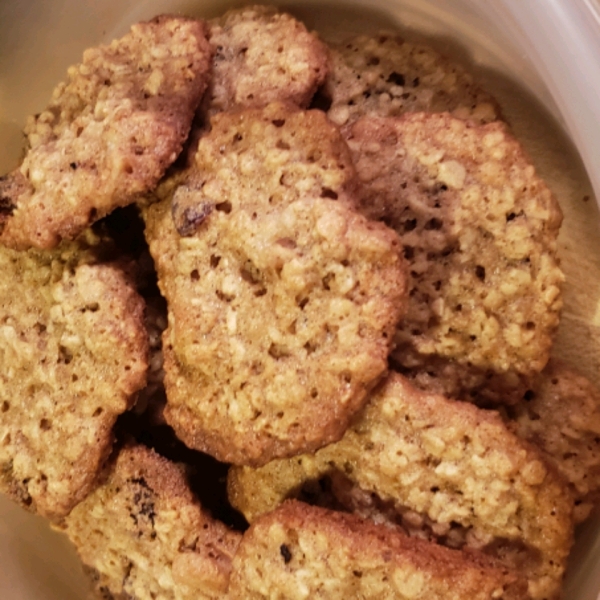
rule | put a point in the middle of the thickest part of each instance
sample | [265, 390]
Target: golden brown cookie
[262, 55]
[73, 349]
[143, 535]
[108, 134]
[282, 299]
[561, 415]
[449, 461]
[478, 228]
[385, 75]
[300, 551]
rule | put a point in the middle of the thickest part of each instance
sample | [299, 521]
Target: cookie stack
[320, 279]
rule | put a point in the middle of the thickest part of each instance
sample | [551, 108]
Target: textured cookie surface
[384, 75]
[143, 535]
[73, 350]
[108, 133]
[299, 552]
[448, 461]
[454, 378]
[479, 229]
[561, 415]
[262, 56]
[282, 300]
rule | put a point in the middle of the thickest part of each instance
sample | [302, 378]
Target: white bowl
[540, 59]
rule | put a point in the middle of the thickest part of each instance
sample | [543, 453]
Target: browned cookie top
[73, 349]
[385, 75]
[109, 132]
[282, 299]
[262, 55]
[143, 535]
[478, 228]
[300, 551]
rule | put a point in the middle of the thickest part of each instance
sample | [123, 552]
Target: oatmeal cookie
[262, 55]
[453, 378]
[143, 535]
[449, 461]
[385, 75]
[478, 228]
[299, 551]
[561, 415]
[108, 133]
[282, 299]
[73, 349]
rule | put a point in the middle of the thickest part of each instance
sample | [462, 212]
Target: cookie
[299, 551]
[143, 535]
[73, 348]
[449, 461]
[561, 415]
[108, 134]
[282, 299]
[262, 55]
[479, 229]
[385, 75]
[454, 378]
